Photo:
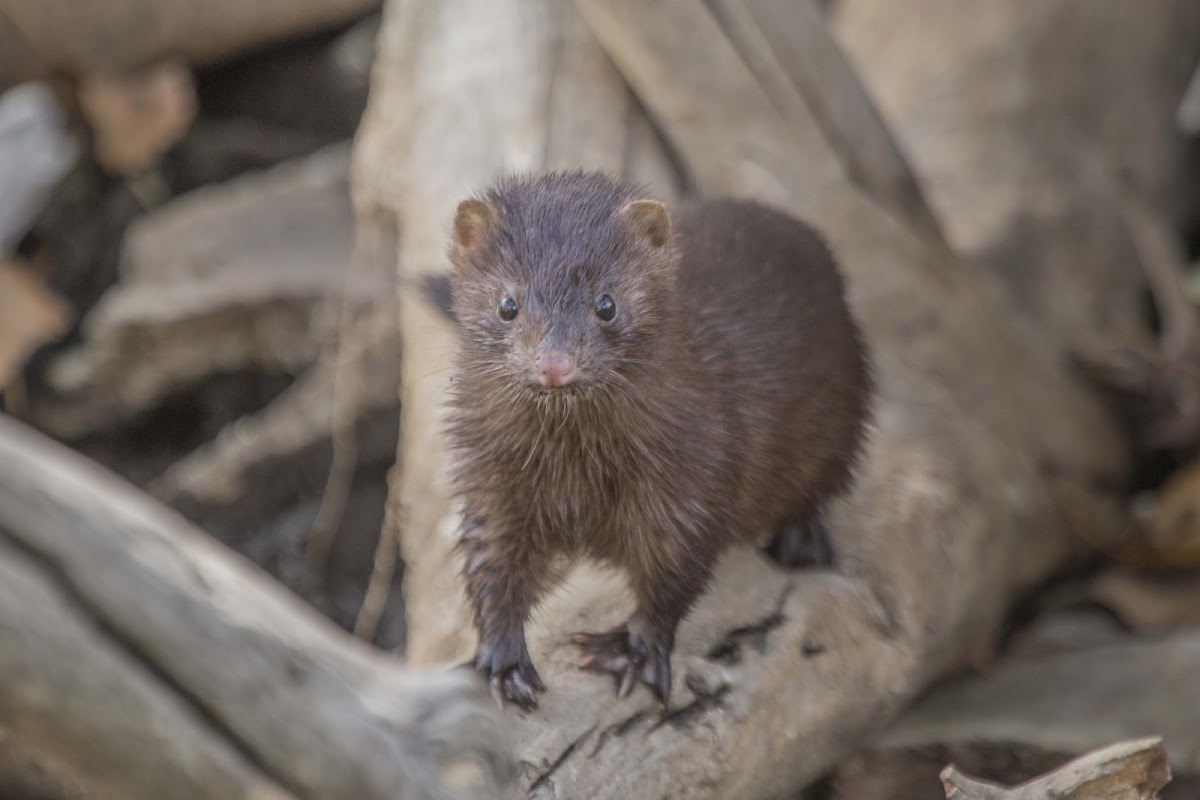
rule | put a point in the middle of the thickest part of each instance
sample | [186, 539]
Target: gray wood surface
[36, 151]
[39, 36]
[119, 617]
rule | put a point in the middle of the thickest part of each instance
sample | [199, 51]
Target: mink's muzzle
[554, 369]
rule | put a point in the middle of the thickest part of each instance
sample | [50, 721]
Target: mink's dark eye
[508, 309]
[606, 309]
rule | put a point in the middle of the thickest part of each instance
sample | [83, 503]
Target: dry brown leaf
[137, 117]
[30, 316]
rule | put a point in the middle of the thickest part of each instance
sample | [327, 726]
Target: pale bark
[107, 36]
[1022, 95]
[36, 150]
[1134, 770]
[143, 660]
[229, 277]
[802, 68]
[1071, 701]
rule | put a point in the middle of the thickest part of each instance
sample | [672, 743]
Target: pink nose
[554, 369]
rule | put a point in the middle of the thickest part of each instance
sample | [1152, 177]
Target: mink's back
[777, 346]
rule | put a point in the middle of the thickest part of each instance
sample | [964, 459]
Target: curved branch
[226, 657]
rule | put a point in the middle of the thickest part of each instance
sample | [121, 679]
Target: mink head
[562, 283]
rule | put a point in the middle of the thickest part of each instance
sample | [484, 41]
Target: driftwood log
[1133, 770]
[141, 660]
[1071, 701]
[805, 72]
[197, 289]
[1010, 124]
[35, 151]
[110, 36]
[987, 450]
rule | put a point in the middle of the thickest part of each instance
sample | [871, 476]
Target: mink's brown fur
[724, 399]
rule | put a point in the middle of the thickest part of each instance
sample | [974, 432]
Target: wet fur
[725, 400]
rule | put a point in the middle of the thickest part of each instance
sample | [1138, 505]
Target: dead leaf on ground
[137, 117]
[30, 316]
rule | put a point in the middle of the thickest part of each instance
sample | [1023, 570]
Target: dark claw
[518, 684]
[628, 657]
[511, 686]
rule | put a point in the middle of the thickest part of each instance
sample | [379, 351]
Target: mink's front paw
[629, 655]
[512, 681]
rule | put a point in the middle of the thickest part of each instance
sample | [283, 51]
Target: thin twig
[343, 442]
[1164, 264]
[376, 235]
[384, 567]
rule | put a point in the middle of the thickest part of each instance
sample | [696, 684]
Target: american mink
[643, 388]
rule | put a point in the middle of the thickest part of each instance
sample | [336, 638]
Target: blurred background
[185, 298]
[178, 233]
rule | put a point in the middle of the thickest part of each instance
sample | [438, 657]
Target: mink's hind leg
[640, 649]
[803, 542]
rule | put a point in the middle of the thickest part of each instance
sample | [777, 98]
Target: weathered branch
[39, 36]
[1188, 114]
[1002, 124]
[1165, 265]
[79, 702]
[1134, 770]
[1160, 380]
[1133, 688]
[36, 150]
[790, 49]
[199, 294]
[155, 664]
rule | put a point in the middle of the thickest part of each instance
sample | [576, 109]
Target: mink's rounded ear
[471, 223]
[650, 219]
